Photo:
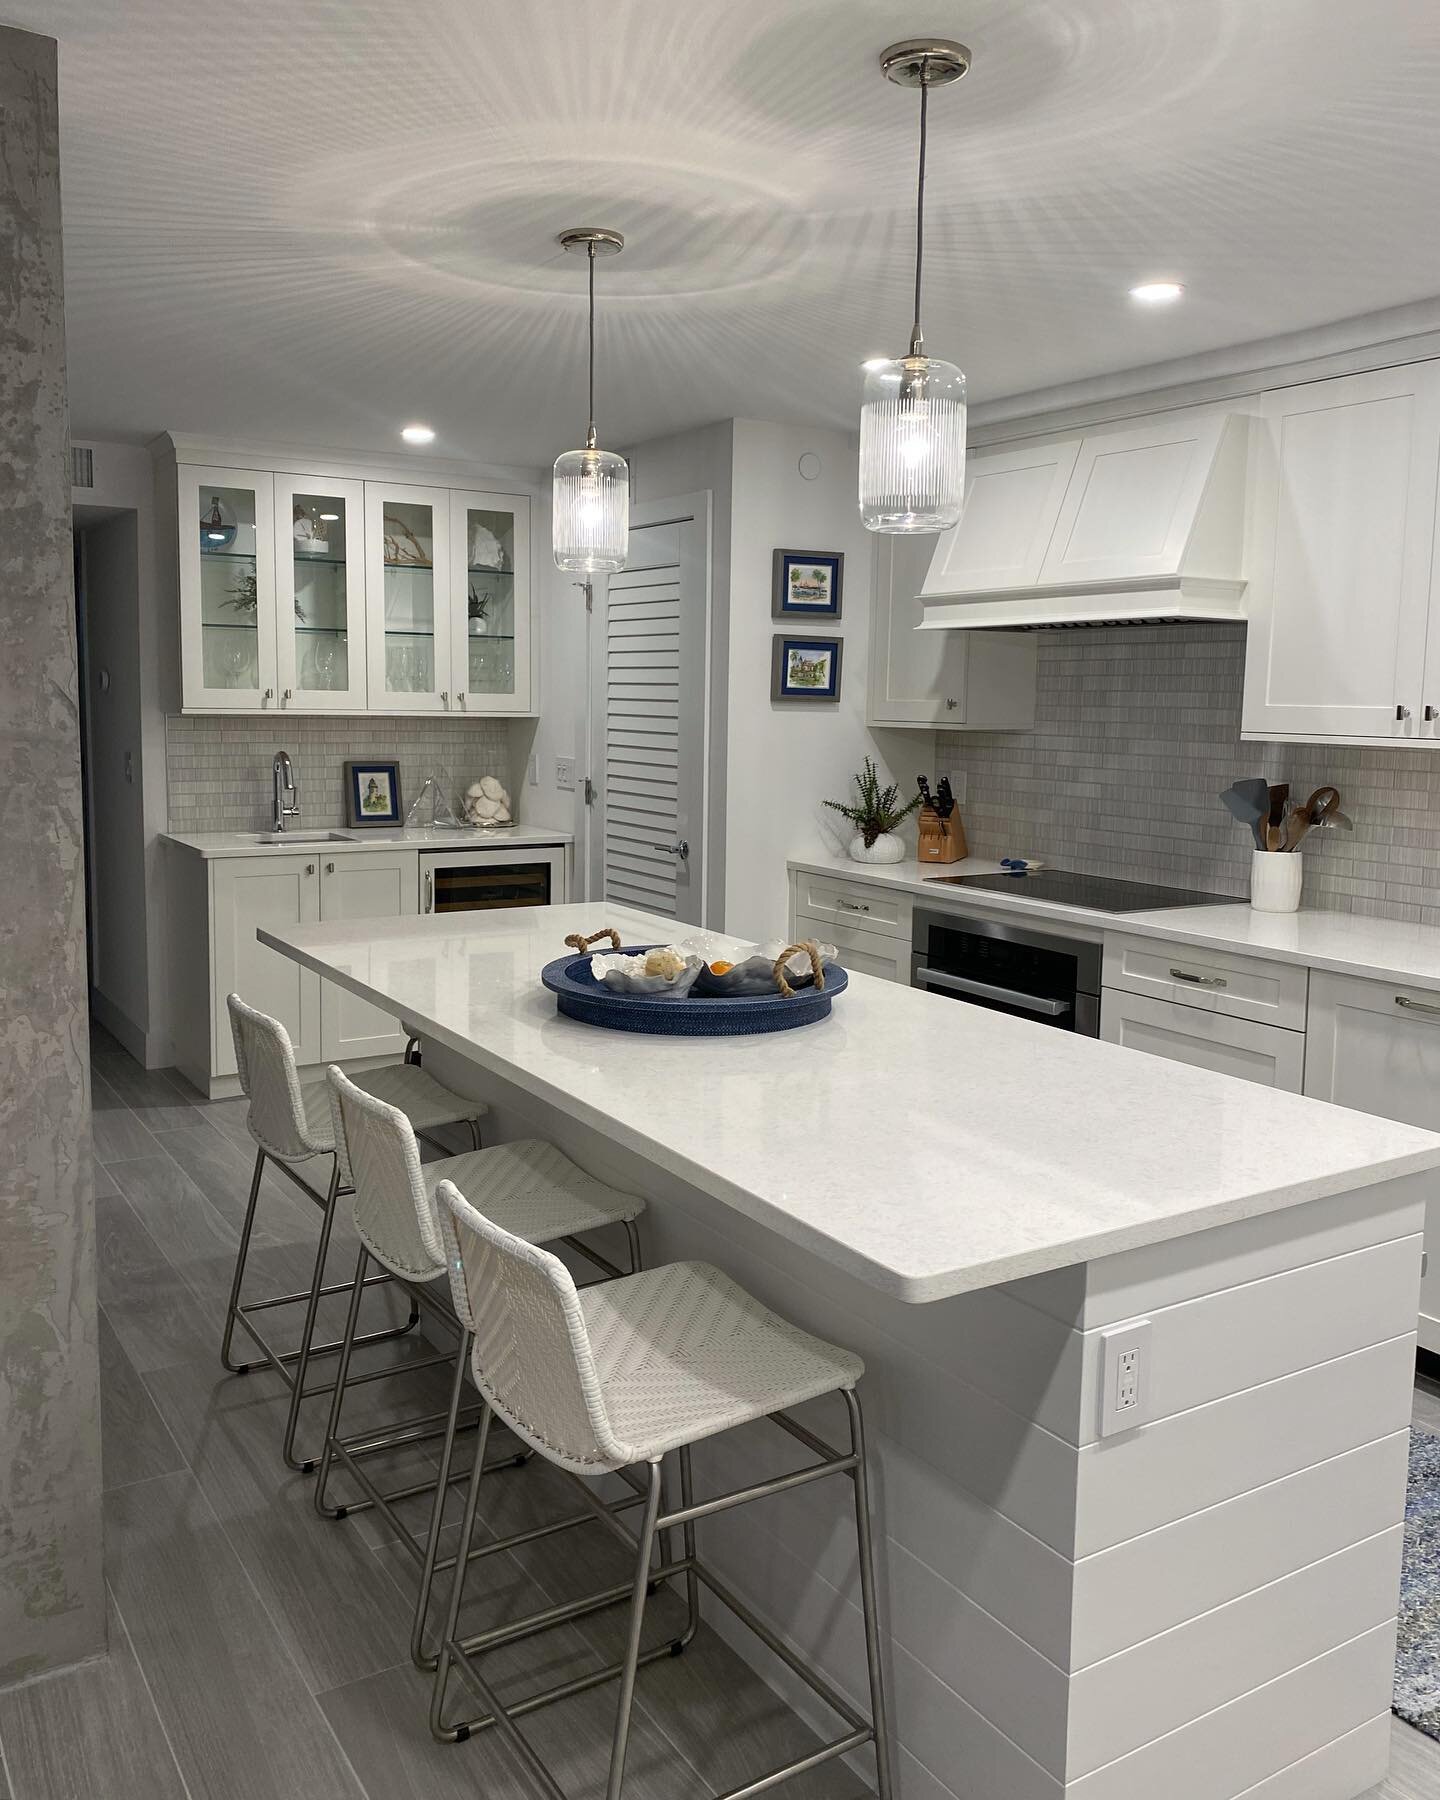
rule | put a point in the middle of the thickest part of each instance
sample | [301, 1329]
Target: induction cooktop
[1104, 893]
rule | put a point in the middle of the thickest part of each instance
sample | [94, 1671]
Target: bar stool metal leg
[307, 1330]
[644, 1546]
[241, 1257]
[879, 1710]
[418, 1653]
[337, 1393]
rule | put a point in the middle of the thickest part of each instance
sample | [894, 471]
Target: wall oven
[1008, 967]
[479, 880]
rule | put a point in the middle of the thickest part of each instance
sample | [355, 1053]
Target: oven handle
[982, 990]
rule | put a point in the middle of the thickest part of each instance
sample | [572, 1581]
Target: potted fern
[875, 815]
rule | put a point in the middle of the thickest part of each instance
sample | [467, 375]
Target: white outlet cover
[565, 772]
[1125, 1376]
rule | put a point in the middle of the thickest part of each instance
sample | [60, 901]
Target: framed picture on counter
[807, 583]
[372, 793]
[805, 668]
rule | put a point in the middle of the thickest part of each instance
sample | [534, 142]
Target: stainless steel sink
[279, 839]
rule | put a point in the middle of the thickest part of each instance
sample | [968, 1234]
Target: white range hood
[1142, 523]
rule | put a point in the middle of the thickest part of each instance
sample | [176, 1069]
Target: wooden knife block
[941, 840]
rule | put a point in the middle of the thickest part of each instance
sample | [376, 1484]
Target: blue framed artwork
[807, 583]
[372, 793]
[805, 668]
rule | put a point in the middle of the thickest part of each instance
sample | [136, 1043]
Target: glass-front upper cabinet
[408, 597]
[227, 588]
[320, 593]
[490, 656]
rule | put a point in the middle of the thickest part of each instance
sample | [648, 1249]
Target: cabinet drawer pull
[1425, 1006]
[1215, 981]
[309, 868]
[1429, 715]
[852, 905]
[429, 890]
[330, 868]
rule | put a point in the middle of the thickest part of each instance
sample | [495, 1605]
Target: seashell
[492, 789]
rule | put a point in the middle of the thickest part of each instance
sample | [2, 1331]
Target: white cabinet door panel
[226, 557]
[863, 952]
[382, 885]
[1375, 1046]
[1266, 1054]
[247, 892]
[1012, 500]
[1342, 524]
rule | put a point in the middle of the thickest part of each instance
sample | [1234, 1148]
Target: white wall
[786, 757]
[131, 1001]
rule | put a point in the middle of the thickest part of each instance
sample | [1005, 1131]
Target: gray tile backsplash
[1137, 733]
[219, 769]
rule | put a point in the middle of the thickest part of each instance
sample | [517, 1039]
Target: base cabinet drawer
[875, 908]
[1244, 987]
[862, 952]
[1265, 1054]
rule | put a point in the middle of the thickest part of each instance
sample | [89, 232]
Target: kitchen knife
[924, 786]
[945, 797]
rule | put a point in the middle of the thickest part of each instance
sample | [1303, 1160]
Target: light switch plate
[565, 773]
[533, 771]
[1125, 1355]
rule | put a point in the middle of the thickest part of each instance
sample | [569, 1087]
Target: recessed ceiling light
[1157, 293]
[418, 434]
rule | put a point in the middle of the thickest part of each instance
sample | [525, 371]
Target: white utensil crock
[1275, 880]
[887, 848]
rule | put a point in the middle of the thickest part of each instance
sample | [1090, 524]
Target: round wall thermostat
[809, 465]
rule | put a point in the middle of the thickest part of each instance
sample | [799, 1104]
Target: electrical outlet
[565, 773]
[1124, 1377]
[532, 771]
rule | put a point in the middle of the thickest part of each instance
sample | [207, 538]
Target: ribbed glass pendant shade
[590, 511]
[912, 445]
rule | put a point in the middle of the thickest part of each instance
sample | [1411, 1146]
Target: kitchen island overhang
[1203, 1605]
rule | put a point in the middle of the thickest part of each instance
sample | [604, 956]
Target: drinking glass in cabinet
[490, 590]
[409, 538]
[318, 544]
[229, 588]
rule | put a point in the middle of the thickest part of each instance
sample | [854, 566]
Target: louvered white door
[648, 826]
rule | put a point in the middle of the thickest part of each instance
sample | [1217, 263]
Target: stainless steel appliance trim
[983, 990]
[1425, 1006]
[1087, 952]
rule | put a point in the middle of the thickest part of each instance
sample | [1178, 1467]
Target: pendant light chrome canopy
[912, 413]
[590, 502]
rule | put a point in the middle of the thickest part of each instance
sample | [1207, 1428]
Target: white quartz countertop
[924, 1147]
[211, 844]
[1345, 943]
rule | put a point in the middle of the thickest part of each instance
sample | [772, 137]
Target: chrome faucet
[287, 799]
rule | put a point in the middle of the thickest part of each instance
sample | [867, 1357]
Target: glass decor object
[590, 504]
[430, 810]
[912, 414]
[217, 528]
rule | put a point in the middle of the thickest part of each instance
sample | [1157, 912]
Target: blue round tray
[579, 996]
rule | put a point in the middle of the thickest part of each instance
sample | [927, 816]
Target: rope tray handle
[812, 950]
[576, 942]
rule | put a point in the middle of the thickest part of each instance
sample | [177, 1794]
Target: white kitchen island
[1200, 1606]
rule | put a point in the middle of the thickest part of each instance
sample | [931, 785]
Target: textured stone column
[52, 1608]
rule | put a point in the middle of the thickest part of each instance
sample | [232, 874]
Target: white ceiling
[311, 220]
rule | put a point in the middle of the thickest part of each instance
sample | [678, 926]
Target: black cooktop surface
[1103, 892]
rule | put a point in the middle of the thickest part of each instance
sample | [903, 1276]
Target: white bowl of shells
[664, 972]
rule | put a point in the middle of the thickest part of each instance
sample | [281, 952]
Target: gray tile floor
[257, 1652]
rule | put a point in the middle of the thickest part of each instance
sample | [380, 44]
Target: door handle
[679, 848]
[429, 890]
[984, 990]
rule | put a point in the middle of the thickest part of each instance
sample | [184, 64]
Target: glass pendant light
[590, 503]
[912, 413]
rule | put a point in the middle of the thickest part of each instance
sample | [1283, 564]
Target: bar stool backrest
[532, 1359]
[394, 1214]
[269, 1080]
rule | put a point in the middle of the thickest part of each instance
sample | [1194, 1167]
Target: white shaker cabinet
[1012, 500]
[320, 593]
[409, 597]
[377, 884]
[245, 893]
[959, 680]
[1342, 515]
[225, 544]
[1375, 1046]
[1266, 1054]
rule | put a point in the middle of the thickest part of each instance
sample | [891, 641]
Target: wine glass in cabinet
[320, 593]
[408, 597]
[227, 588]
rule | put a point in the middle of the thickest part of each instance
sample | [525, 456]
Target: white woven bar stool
[617, 1376]
[291, 1125]
[541, 1196]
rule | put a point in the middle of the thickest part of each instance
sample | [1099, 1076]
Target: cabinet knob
[309, 868]
[445, 698]
[1401, 713]
[330, 868]
[287, 696]
[267, 696]
[461, 699]
[950, 705]
[1429, 715]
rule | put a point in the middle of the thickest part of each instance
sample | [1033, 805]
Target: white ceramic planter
[1275, 880]
[887, 848]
